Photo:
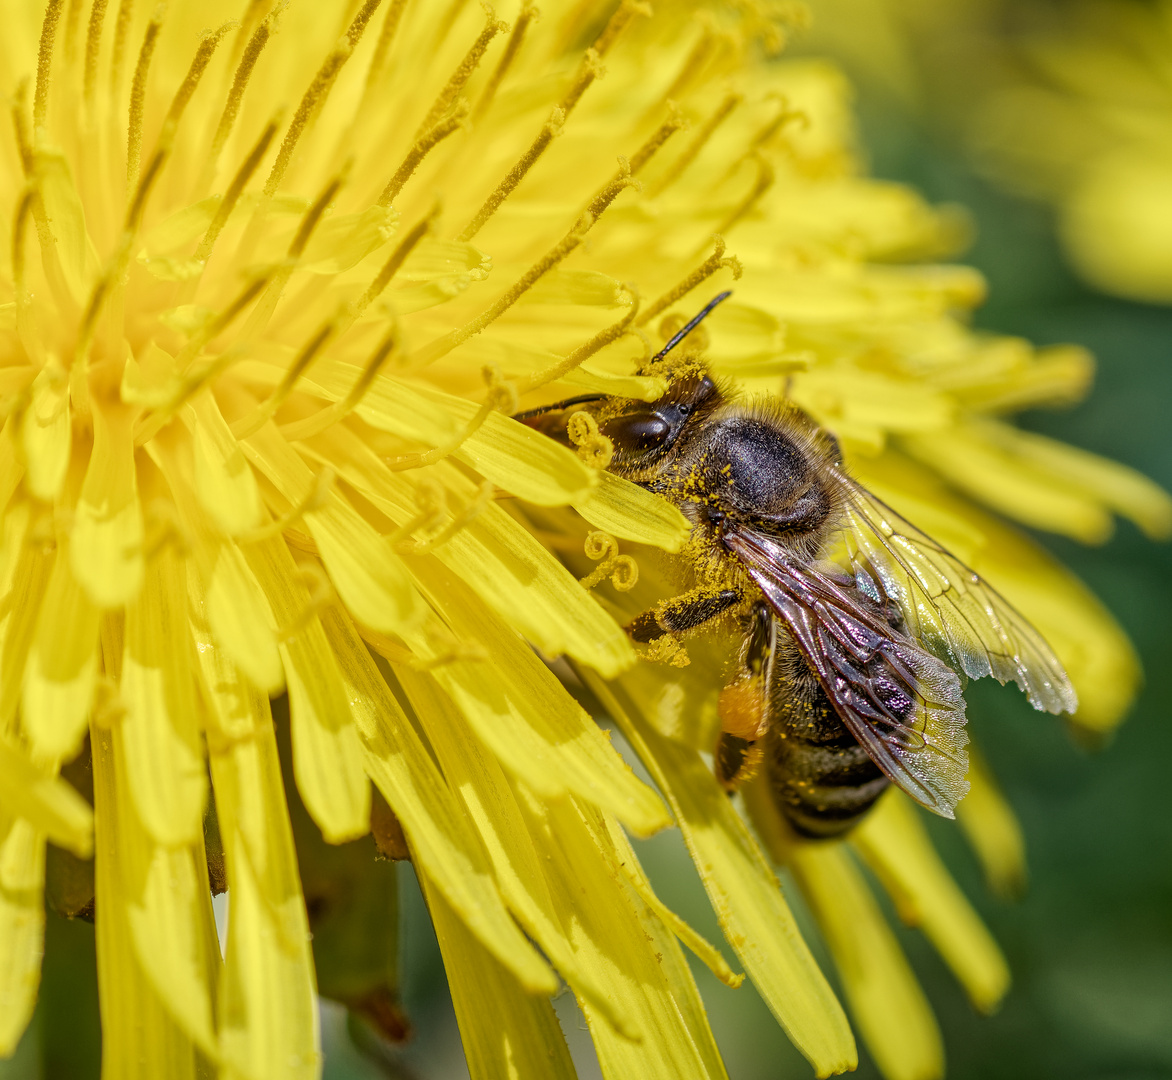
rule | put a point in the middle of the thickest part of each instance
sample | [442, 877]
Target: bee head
[645, 432]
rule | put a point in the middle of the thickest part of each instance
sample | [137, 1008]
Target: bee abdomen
[822, 790]
[823, 781]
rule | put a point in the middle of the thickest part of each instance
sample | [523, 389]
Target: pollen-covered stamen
[213, 329]
[589, 69]
[622, 570]
[112, 277]
[716, 261]
[441, 346]
[339, 410]
[393, 264]
[257, 42]
[267, 304]
[462, 74]
[583, 353]
[549, 131]
[594, 448]
[693, 65]
[675, 122]
[93, 45]
[315, 498]
[118, 48]
[784, 115]
[764, 181]
[138, 96]
[432, 507]
[235, 189]
[468, 513]
[525, 17]
[315, 96]
[45, 63]
[697, 143]
[32, 162]
[382, 47]
[427, 142]
[189, 383]
[116, 267]
[501, 397]
[252, 423]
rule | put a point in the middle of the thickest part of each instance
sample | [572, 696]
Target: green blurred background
[1090, 944]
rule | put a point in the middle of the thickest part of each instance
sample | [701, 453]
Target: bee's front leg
[685, 612]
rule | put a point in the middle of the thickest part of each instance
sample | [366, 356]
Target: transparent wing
[902, 703]
[947, 606]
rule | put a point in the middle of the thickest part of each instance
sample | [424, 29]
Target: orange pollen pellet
[741, 708]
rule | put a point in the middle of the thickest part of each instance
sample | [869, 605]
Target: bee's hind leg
[681, 613]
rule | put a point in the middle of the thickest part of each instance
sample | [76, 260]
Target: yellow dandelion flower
[275, 277]
[1080, 119]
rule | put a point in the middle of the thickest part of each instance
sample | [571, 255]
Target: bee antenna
[689, 327]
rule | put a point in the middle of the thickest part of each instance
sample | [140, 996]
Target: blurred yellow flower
[1084, 119]
[1067, 103]
[270, 291]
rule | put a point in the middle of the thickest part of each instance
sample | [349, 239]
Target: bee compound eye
[643, 431]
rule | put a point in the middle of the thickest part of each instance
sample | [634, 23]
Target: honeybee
[857, 629]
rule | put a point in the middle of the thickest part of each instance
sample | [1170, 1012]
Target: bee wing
[902, 703]
[949, 607]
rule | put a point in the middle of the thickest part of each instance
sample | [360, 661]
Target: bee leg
[744, 718]
[681, 613]
[741, 708]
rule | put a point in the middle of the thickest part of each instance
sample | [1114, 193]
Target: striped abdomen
[822, 780]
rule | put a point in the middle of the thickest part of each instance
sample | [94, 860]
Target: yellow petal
[223, 479]
[508, 453]
[239, 617]
[24, 573]
[164, 755]
[992, 829]
[268, 1004]
[45, 801]
[141, 1039]
[62, 665]
[327, 755]
[106, 547]
[1121, 489]
[506, 1031]
[886, 1001]
[896, 846]
[492, 808]
[443, 844]
[22, 926]
[366, 572]
[745, 894]
[11, 461]
[497, 557]
[230, 598]
[518, 709]
[63, 208]
[46, 434]
[625, 510]
[648, 975]
[1011, 486]
[701, 948]
[342, 242]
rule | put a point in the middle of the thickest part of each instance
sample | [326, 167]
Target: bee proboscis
[849, 675]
